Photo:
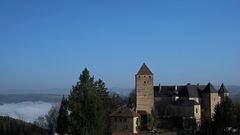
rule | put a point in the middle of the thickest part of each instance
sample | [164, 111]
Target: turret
[223, 92]
[210, 99]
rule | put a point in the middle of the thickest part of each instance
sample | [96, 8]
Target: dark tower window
[150, 77]
[116, 126]
[144, 76]
[145, 82]
[139, 76]
[125, 119]
[126, 127]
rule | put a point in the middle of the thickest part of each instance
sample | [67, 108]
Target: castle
[187, 101]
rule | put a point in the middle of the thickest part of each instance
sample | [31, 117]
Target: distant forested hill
[10, 126]
[16, 98]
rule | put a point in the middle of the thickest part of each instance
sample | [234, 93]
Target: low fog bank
[27, 111]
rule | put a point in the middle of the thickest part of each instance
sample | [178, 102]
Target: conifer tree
[86, 110]
[223, 117]
[62, 120]
[103, 94]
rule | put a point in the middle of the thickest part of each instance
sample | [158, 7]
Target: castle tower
[210, 99]
[223, 92]
[144, 90]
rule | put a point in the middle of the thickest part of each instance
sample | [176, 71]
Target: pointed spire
[223, 89]
[209, 88]
[144, 70]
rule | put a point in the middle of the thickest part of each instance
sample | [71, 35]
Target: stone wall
[144, 93]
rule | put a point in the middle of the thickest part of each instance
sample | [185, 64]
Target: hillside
[10, 126]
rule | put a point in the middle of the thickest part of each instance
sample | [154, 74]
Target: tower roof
[223, 89]
[210, 89]
[144, 70]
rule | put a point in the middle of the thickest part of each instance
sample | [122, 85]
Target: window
[150, 77]
[139, 76]
[126, 127]
[120, 120]
[144, 76]
[145, 82]
[116, 127]
[196, 110]
[115, 119]
[125, 119]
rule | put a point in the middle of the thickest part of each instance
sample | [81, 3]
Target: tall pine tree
[87, 115]
[103, 94]
[223, 117]
[62, 120]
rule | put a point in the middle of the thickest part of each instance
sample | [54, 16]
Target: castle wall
[123, 124]
[214, 100]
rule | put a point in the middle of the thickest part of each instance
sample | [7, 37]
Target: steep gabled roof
[223, 89]
[144, 70]
[192, 91]
[125, 112]
[210, 89]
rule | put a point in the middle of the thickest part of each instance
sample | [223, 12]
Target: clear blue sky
[46, 44]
